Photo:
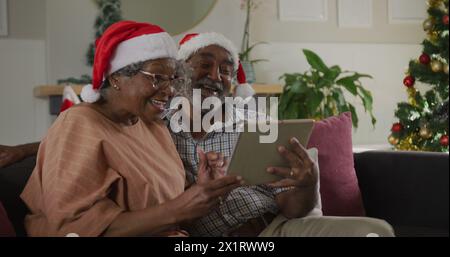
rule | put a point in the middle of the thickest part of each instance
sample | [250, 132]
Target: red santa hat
[244, 89]
[70, 99]
[191, 43]
[125, 43]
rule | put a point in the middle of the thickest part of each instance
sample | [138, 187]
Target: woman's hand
[212, 166]
[211, 188]
[201, 198]
[302, 171]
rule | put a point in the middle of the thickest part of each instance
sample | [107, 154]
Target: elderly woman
[109, 167]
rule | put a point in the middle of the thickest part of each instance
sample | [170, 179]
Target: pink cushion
[6, 229]
[339, 188]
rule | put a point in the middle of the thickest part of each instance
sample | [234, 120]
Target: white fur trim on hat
[89, 95]
[244, 90]
[202, 40]
[143, 48]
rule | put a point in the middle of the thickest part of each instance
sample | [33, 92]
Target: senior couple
[112, 167]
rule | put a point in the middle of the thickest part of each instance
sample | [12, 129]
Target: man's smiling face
[213, 71]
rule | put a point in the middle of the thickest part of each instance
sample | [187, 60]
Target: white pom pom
[245, 90]
[89, 94]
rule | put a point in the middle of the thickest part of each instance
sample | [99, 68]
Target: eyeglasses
[160, 81]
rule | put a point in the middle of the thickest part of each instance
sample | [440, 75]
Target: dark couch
[409, 190]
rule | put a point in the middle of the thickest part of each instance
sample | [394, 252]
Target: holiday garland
[423, 120]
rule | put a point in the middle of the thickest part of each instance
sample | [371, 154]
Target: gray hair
[127, 71]
[183, 87]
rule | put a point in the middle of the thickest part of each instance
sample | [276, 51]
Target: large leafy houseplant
[319, 92]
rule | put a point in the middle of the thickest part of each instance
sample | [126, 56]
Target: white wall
[226, 17]
[267, 26]
[26, 19]
[23, 118]
[70, 29]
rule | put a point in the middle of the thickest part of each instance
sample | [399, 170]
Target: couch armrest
[405, 188]
[12, 182]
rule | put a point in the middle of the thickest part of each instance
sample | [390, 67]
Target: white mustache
[209, 84]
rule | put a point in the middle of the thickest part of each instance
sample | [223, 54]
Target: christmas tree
[110, 13]
[423, 120]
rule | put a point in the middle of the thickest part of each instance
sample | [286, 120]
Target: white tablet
[251, 158]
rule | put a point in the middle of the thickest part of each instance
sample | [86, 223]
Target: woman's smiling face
[146, 94]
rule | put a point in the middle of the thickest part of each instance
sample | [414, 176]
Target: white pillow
[317, 211]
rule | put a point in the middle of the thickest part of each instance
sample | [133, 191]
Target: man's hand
[302, 176]
[10, 155]
[302, 171]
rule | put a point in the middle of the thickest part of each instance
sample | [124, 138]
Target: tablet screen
[251, 158]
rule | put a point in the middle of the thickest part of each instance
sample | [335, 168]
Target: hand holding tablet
[251, 158]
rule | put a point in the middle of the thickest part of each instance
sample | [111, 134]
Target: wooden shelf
[266, 89]
[55, 90]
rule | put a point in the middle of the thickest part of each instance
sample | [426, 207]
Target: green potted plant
[246, 48]
[319, 92]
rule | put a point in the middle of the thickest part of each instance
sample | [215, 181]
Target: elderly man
[214, 61]
[251, 210]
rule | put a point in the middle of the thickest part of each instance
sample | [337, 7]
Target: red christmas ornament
[424, 59]
[409, 81]
[444, 140]
[397, 127]
[445, 20]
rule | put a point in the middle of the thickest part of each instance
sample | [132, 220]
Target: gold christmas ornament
[412, 96]
[428, 24]
[393, 140]
[436, 66]
[412, 91]
[412, 101]
[408, 144]
[433, 37]
[425, 133]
